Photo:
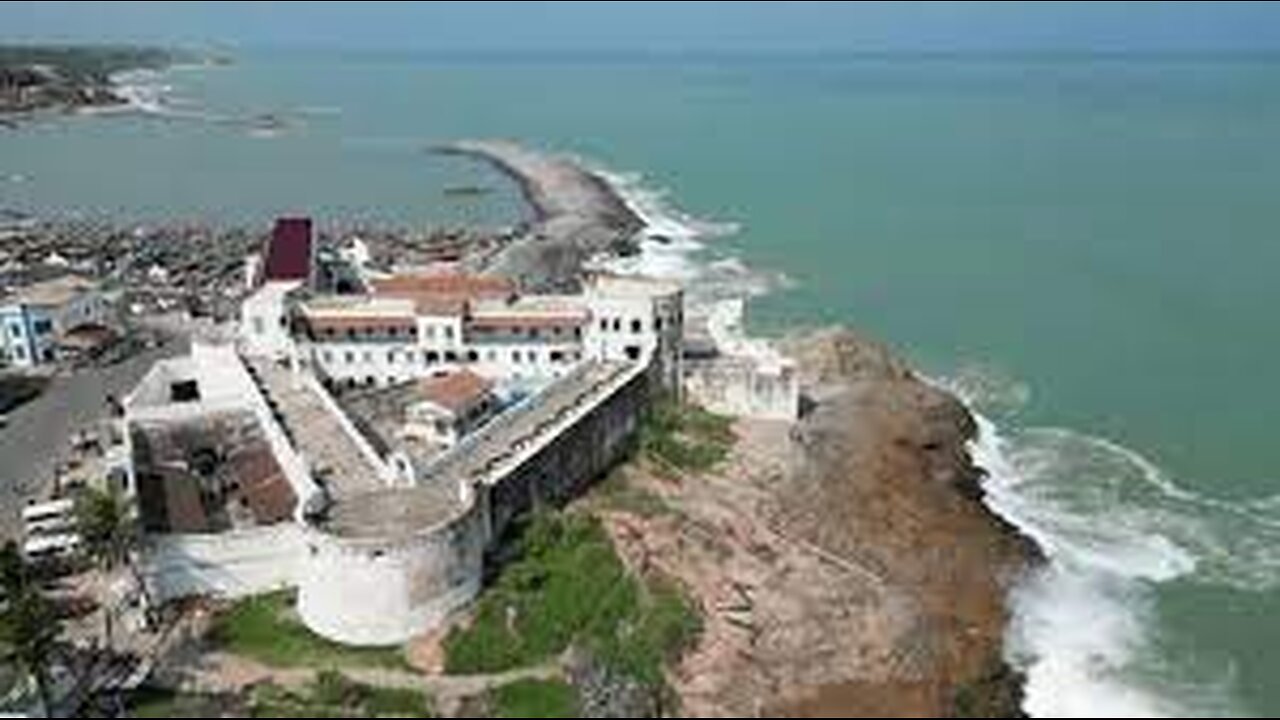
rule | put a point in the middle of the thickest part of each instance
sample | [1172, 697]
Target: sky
[661, 27]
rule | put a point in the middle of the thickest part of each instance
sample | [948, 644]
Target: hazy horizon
[663, 28]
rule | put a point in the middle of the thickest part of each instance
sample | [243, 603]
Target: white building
[416, 325]
[452, 404]
[36, 319]
[740, 375]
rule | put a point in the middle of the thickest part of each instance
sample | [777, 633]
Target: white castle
[369, 447]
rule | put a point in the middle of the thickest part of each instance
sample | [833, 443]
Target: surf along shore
[857, 570]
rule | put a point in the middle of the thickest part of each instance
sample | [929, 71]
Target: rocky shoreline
[35, 78]
[885, 477]
[576, 216]
[877, 474]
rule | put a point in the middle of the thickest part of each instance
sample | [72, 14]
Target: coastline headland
[878, 474]
[577, 215]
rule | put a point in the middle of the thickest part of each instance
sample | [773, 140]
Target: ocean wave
[676, 244]
[1115, 527]
[150, 92]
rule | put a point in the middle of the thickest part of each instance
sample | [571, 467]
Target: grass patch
[685, 437]
[535, 699]
[266, 628]
[569, 587]
[333, 695]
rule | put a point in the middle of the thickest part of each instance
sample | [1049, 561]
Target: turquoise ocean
[1086, 248]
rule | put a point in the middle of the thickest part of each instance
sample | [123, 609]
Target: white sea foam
[675, 244]
[1115, 527]
[1113, 524]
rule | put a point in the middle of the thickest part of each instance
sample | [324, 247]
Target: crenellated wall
[383, 590]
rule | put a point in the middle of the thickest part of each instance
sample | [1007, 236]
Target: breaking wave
[1115, 528]
[675, 244]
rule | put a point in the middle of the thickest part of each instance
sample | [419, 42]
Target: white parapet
[747, 377]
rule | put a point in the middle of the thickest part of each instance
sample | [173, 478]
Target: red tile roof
[455, 391]
[289, 252]
[444, 293]
[262, 484]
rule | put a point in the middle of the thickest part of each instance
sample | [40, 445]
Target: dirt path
[222, 673]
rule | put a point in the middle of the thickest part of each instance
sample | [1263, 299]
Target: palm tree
[29, 624]
[109, 534]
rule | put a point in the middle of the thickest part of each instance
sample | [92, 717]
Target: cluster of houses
[57, 319]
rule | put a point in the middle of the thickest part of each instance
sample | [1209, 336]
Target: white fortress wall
[233, 564]
[375, 592]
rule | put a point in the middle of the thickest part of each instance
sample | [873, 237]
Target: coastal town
[306, 468]
[348, 434]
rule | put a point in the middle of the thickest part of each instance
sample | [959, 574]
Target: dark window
[184, 391]
[351, 333]
[604, 325]
[633, 352]
[557, 356]
[450, 356]
[432, 357]
[473, 356]
[637, 327]
[617, 324]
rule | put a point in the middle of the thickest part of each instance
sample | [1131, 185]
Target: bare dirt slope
[843, 565]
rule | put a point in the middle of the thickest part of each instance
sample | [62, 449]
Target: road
[37, 435]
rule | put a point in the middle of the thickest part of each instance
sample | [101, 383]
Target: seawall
[577, 216]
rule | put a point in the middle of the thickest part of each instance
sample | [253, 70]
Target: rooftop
[52, 293]
[455, 391]
[630, 285]
[358, 306]
[546, 309]
[442, 292]
[444, 283]
[400, 512]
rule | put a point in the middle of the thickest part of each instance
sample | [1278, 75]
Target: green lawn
[535, 699]
[569, 587]
[266, 628]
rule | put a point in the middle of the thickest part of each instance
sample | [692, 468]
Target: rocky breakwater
[576, 216]
[883, 478]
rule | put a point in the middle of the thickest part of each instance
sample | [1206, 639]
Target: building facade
[37, 318]
[414, 326]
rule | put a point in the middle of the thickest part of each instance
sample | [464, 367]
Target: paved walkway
[540, 420]
[217, 673]
[318, 435]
